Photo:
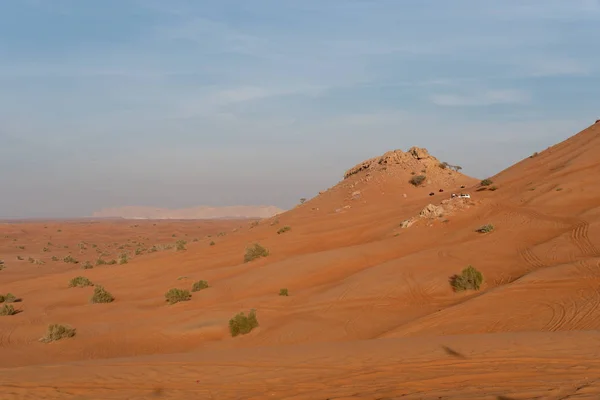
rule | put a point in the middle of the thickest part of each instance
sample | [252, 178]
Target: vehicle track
[579, 236]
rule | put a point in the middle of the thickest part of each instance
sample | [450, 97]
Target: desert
[350, 301]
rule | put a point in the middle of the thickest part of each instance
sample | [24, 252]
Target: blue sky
[183, 103]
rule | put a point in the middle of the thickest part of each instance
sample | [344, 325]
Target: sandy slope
[370, 313]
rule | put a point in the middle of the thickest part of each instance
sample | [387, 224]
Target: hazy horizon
[187, 103]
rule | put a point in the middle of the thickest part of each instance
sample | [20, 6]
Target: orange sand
[370, 313]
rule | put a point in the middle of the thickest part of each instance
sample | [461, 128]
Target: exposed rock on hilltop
[414, 158]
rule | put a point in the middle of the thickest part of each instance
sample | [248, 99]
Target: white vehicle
[465, 196]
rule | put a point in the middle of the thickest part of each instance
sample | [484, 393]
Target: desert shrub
[180, 245]
[212, 243]
[195, 239]
[100, 261]
[123, 259]
[486, 182]
[1, 298]
[10, 298]
[469, 279]
[58, 332]
[302, 200]
[101, 295]
[485, 228]
[20, 258]
[176, 295]
[22, 247]
[31, 259]
[255, 251]
[242, 324]
[254, 224]
[138, 251]
[493, 188]
[54, 258]
[7, 309]
[283, 292]
[534, 155]
[111, 262]
[45, 249]
[80, 281]
[221, 234]
[87, 265]
[70, 259]
[443, 165]
[283, 230]
[417, 180]
[197, 286]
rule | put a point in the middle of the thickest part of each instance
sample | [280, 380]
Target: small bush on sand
[242, 324]
[180, 245]
[212, 243]
[469, 279]
[57, 332]
[123, 259]
[54, 258]
[101, 296]
[417, 180]
[87, 265]
[7, 309]
[176, 295]
[283, 292]
[485, 228]
[255, 251]
[80, 281]
[283, 230]
[8, 298]
[70, 260]
[197, 286]
[486, 182]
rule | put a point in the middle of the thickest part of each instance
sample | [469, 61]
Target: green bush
[80, 281]
[486, 182]
[283, 292]
[469, 279]
[283, 230]
[180, 245]
[242, 324]
[176, 295]
[58, 332]
[417, 180]
[8, 298]
[197, 286]
[7, 310]
[485, 228]
[255, 251]
[70, 259]
[101, 296]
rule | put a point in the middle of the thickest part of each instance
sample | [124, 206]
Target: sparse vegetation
[283, 230]
[176, 295]
[485, 228]
[180, 245]
[20, 258]
[57, 332]
[417, 180]
[80, 281]
[7, 309]
[101, 295]
[100, 261]
[70, 259]
[242, 324]
[469, 279]
[255, 251]
[212, 243]
[486, 182]
[123, 259]
[302, 200]
[534, 155]
[197, 286]
[493, 188]
[87, 265]
[21, 247]
[54, 258]
[559, 189]
[45, 249]
[283, 292]
[8, 298]
[138, 251]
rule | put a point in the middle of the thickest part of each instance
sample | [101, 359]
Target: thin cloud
[488, 98]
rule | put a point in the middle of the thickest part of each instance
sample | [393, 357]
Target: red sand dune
[370, 312]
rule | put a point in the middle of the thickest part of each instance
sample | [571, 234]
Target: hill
[370, 313]
[202, 212]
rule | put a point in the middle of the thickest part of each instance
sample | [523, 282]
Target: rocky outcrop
[415, 157]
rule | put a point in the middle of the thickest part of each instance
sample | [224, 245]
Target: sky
[183, 103]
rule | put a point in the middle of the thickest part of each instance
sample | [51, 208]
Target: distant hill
[201, 212]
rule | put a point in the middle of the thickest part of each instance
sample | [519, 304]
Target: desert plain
[370, 311]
